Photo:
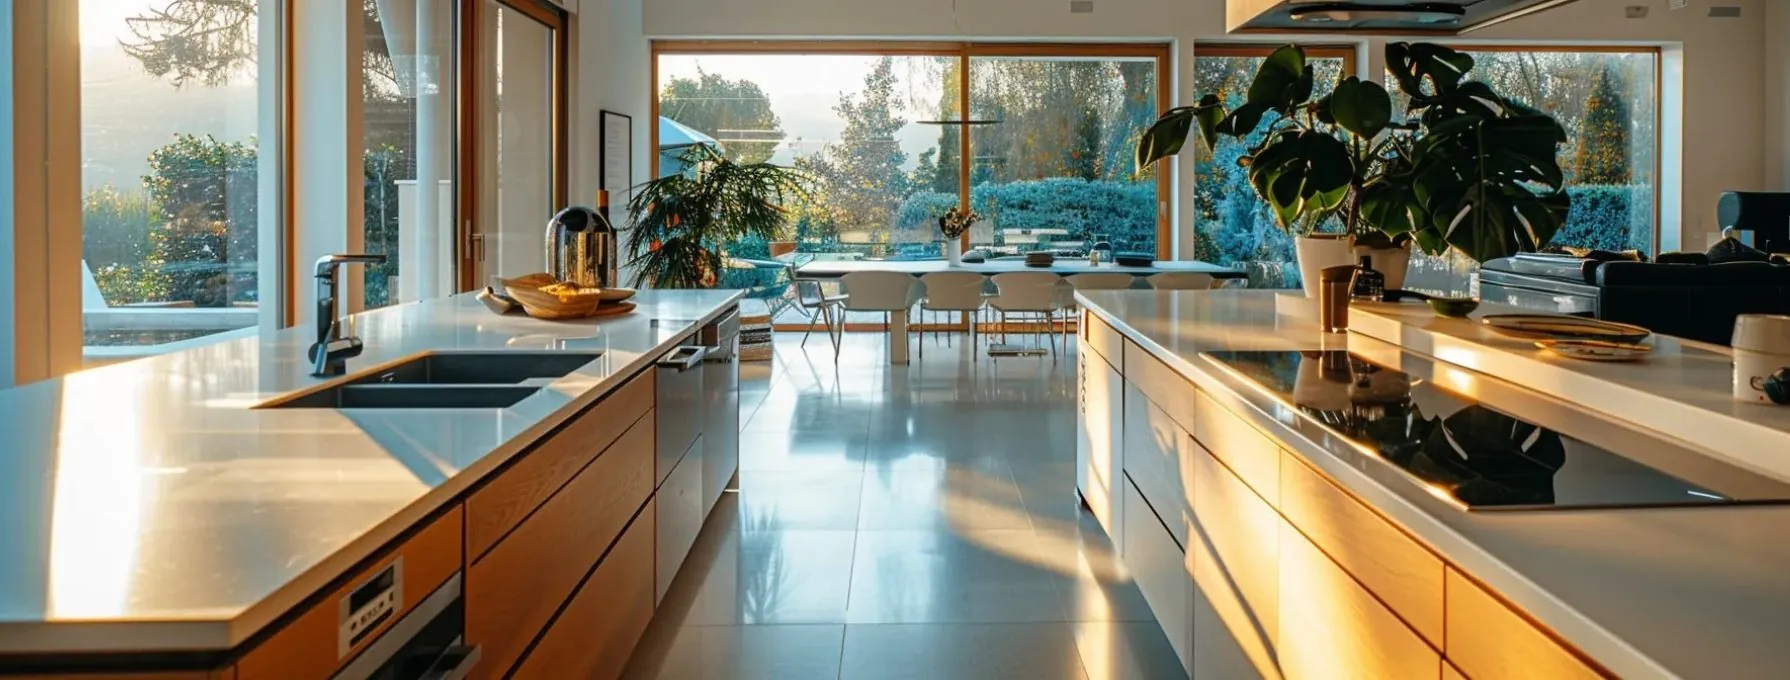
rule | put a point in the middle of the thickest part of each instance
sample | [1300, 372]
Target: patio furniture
[893, 294]
[1028, 293]
[964, 292]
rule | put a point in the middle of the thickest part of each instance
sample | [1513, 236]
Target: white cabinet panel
[1156, 563]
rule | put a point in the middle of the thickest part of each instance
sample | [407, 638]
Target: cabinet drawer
[1156, 564]
[1331, 627]
[1449, 672]
[1253, 456]
[680, 517]
[1242, 534]
[596, 633]
[513, 590]
[1155, 448]
[511, 495]
[1103, 339]
[311, 645]
[1489, 641]
[1171, 392]
[1395, 568]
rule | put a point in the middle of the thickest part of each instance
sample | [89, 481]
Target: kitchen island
[1270, 541]
[161, 515]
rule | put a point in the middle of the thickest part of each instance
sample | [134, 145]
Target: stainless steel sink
[447, 380]
[479, 368]
[411, 396]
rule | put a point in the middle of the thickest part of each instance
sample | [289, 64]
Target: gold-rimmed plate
[1560, 327]
[1596, 350]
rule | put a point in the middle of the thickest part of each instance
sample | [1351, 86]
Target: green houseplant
[680, 222]
[1466, 168]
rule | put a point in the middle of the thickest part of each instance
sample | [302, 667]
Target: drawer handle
[454, 663]
[683, 358]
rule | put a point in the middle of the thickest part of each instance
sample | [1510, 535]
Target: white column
[327, 153]
[40, 190]
[431, 264]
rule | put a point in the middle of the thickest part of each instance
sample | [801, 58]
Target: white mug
[1761, 347]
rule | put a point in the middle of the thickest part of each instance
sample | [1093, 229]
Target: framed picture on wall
[615, 159]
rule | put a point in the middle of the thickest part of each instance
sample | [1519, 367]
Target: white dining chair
[1092, 281]
[886, 292]
[954, 292]
[1029, 293]
[1182, 281]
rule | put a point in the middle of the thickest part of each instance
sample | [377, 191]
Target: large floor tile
[755, 577]
[1127, 651]
[949, 576]
[807, 652]
[834, 450]
[1036, 651]
[776, 501]
[963, 497]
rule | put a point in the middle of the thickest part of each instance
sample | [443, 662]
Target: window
[1234, 227]
[518, 174]
[1048, 156]
[171, 145]
[1608, 101]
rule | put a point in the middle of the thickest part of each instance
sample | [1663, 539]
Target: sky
[804, 88]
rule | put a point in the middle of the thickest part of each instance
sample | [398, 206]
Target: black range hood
[1404, 17]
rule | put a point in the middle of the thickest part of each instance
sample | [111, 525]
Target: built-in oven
[427, 644]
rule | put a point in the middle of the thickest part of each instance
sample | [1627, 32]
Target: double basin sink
[446, 380]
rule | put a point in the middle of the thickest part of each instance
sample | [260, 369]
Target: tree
[861, 173]
[720, 107]
[205, 233]
[1603, 137]
[186, 40]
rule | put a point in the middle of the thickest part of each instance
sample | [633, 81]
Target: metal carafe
[581, 247]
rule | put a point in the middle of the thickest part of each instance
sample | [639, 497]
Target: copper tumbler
[1333, 297]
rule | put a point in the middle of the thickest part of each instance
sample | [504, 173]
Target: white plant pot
[1316, 253]
[953, 251]
[1389, 261]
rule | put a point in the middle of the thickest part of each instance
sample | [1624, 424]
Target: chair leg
[805, 334]
[826, 312]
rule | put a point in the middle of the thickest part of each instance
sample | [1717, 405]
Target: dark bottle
[1370, 284]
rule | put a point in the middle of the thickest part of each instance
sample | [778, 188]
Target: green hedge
[1609, 217]
[1124, 212]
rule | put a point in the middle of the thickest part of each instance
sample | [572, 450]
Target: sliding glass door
[517, 184]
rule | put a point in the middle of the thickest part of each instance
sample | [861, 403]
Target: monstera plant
[1464, 167]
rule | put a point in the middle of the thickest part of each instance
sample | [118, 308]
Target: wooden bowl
[613, 295]
[549, 306]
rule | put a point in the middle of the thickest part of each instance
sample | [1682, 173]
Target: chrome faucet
[330, 354]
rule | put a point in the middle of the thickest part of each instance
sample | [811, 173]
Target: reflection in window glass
[1053, 156]
[1236, 228]
[408, 132]
[516, 184]
[170, 214]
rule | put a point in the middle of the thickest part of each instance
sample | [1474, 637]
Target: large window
[1235, 227]
[170, 170]
[1047, 159]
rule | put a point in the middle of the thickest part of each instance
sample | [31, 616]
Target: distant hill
[126, 114]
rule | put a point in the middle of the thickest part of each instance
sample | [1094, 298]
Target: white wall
[1723, 115]
[610, 71]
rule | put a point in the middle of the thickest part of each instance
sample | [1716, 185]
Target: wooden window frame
[964, 51]
[469, 236]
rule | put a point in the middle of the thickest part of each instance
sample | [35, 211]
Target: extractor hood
[1422, 17]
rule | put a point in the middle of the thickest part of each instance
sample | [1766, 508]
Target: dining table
[829, 270]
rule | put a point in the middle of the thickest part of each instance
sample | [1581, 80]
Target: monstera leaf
[1360, 106]
[1492, 187]
[1169, 133]
[1301, 171]
[1413, 64]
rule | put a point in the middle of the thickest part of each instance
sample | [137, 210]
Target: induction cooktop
[1479, 457]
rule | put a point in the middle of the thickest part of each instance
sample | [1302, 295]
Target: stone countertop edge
[1449, 531]
[227, 631]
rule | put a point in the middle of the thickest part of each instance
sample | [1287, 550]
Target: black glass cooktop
[1482, 458]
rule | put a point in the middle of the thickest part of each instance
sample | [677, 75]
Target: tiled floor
[904, 522]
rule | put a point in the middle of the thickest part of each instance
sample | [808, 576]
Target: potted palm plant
[679, 223]
[1467, 168]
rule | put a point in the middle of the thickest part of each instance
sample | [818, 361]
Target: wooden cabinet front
[312, 645]
[518, 490]
[514, 590]
[1331, 627]
[1242, 536]
[1490, 641]
[596, 633]
[1251, 455]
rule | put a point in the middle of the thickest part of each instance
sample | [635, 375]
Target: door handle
[683, 358]
[454, 663]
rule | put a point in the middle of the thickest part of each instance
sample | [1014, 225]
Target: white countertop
[148, 506]
[832, 269]
[1685, 593]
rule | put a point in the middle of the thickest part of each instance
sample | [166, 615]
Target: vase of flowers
[954, 224]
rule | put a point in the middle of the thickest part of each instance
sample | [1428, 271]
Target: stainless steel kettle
[581, 247]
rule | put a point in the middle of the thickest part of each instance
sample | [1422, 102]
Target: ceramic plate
[1556, 327]
[1595, 350]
